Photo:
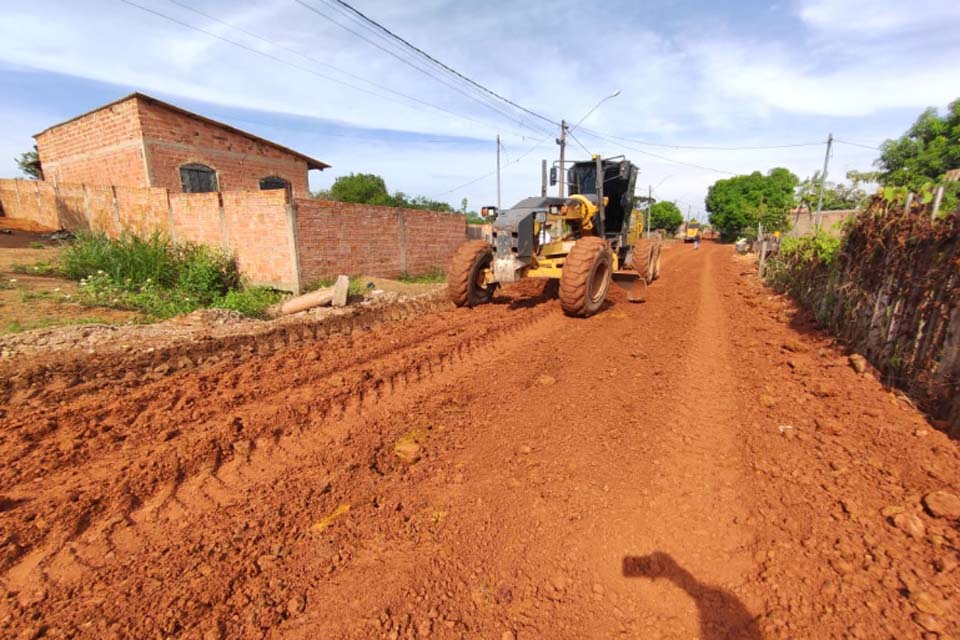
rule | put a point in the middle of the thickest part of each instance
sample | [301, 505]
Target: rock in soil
[943, 504]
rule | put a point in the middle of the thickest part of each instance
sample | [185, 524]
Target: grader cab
[585, 240]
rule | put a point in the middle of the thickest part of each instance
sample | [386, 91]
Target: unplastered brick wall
[340, 237]
[256, 226]
[173, 139]
[103, 147]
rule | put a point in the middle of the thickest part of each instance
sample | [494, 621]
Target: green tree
[29, 163]
[365, 188]
[737, 204]
[835, 196]
[923, 154]
[666, 216]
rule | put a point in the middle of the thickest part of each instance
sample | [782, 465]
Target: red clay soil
[704, 465]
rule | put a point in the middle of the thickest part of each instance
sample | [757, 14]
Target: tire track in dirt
[618, 475]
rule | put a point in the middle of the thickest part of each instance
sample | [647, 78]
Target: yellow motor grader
[584, 240]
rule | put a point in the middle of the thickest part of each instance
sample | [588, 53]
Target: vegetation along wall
[891, 290]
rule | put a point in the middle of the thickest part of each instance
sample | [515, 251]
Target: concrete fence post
[170, 221]
[116, 209]
[224, 236]
[937, 201]
[402, 239]
[291, 211]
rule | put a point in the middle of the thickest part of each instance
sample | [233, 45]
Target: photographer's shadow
[722, 615]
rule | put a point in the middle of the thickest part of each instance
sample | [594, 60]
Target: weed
[36, 269]
[37, 245]
[251, 301]
[433, 276]
[45, 323]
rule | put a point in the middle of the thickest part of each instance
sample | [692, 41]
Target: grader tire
[465, 276]
[585, 278]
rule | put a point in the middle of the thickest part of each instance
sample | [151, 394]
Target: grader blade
[633, 283]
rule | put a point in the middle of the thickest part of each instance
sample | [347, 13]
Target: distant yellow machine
[692, 231]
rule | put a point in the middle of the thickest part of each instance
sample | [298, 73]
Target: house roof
[312, 163]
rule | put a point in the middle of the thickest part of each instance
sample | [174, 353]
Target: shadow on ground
[722, 615]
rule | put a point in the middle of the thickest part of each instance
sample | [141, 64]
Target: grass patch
[158, 277]
[357, 288]
[46, 323]
[40, 268]
[37, 245]
[434, 276]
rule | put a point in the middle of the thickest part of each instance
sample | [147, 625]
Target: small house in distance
[140, 141]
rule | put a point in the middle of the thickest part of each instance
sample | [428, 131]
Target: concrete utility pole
[649, 206]
[543, 178]
[498, 171]
[562, 141]
[823, 180]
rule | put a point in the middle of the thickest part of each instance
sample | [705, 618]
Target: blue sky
[690, 74]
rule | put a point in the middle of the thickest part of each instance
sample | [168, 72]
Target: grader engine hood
[513, 237]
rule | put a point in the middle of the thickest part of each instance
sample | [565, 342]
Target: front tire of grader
[465, 284]
[585, 278]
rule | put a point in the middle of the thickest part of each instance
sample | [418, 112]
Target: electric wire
[444, 66]
[702, 147]
[322, 63]
[857, 144]
[415, 67]
[281, 60]
[538, 144]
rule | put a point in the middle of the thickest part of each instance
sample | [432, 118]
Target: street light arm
[595, 107]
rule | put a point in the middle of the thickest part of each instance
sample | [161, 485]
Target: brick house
[139, 141]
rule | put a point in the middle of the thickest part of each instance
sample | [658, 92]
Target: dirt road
[704, 465]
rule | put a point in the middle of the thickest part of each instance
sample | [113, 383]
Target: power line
[413, 66]
[444, 66]
[286, 62]
[310, 59]
[857, 144]
[538, 144]
[703, 147]
[656, 155]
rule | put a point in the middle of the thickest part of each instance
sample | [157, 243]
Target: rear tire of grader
[585, 278]
[465, 284]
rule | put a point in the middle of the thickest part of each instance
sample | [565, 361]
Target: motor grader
[585, 240]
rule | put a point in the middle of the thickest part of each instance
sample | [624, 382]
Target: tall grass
[158, 277]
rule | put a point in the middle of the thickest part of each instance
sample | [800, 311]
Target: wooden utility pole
[562, 141]
[498, 171]
[823, 180]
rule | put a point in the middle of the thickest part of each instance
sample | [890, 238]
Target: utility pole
[543, 178]
[498, 171]
[649, 207]
[562, 141]
[823, 180]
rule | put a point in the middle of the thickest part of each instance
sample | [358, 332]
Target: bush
[252, 301]
[158, 277]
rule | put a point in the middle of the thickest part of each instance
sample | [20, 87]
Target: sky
[310, 75]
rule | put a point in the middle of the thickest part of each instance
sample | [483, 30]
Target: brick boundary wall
[278, 242]
[252, 225]
[803, 222]
[343, 237]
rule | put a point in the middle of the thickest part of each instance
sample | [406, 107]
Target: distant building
[139, 141]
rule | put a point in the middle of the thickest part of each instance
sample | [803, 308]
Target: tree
[666, 216]
[835, 196]
[923, 154]
[29, 163]
[737, 204]
[365, 188]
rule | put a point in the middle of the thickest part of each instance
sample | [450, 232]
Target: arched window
[273, 182]
[198, 178]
